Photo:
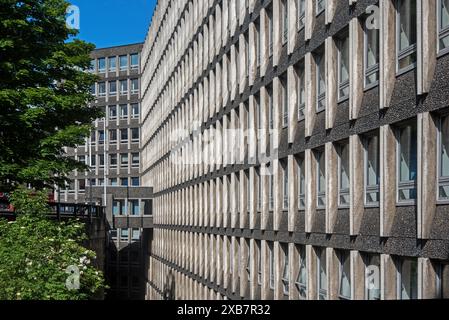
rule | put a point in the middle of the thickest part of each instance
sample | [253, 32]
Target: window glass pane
[301, 183]
[322, 276]
[371, 56]
[321, 179]
[344, 174]
[112, 63]
[102, 65]
[407, 24]
[123, 62]
[344, 67]
[345, 275]
[444, 160]
[407, 154]
[372, 274]
[320, 5]
[134, 59]
[409, 277]
[372, 169]
[285, 187]
[444, 14]
[302, 273]
[302, 12]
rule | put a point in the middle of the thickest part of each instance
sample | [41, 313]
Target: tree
[36, 254]
[44, 93]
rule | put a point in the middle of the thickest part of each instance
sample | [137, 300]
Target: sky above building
[108, 23]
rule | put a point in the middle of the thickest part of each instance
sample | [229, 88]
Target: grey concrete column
[292, 25]
[252, 130]
[212, 40]
[331, 186]
[264, 42]
[293, 270]
[233, 16]
[311, 189]
[310, 83]
[356, 176]
[224, 84]
[387, 179]
[310, 18]
[427, 174]
[253, 39]
[277, 31]
[225, 22]
[387, 66]
[226, 204]
[278, 268]
[333, 274]
[242, 11]
[234, 72]
[292, 92]
[331, 63]
[312, 273]
[388, 277]
[427, 279]
[218, 28]
[331, 7]
[253, 268]
[265, 290]
[356, 68]
[243, 64]
[244, 253]
[219, 202]
[226, 270]
[357, 275]
[265, 195]
[242, 134]
[234, 197]
[253, 195]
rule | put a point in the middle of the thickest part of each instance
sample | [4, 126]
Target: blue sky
[108, 23]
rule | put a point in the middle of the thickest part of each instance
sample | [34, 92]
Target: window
[123, 87]
[406, 34]
[372, 277]
[136, 236]
[343, 174]
[116, 208]
[301, 95]
[93, 160]
[372, 175]
[320, 6]
[135, 207]
[270, 31]
[321, 81]
[442, 283]
[113, 87]
[112, 64]
[259, 190]
[135, 182]
[321, 178]
[343, 67]
[112, 112]
[124, 182]
[285, 185]
[123, 111]
[101, 160]
[270, 108]
[100, 181]
[113, 160]
[82, 185]
[124, 135]
[407, 278]
[124, 160]
[259, 263]
[135, 61]
[82, 159]
[284, 101]
[101, 65]
[92, 66]
[271, 264]
[124, 236]
[286, 271]
[93, 89]
[92, 182]
[443, 159]
[284, 21]
[345, 275]
[101, 137]
[407, 162]
[113, 233]
[301, 13]
[322, 273]
[443, 24]
[270, 192]
[301, 183]
[371, 56]
[301, 280]
[134, 86]
[113, 136]
[248, 260]
[123, 63]
[101, 89]
[113, 182]
[135, 160]
[135, 134]
[135, 110]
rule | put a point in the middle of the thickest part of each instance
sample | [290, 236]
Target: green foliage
[36, 251]
[44, 93]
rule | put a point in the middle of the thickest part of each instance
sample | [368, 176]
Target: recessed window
[407, 162]
[135, 61]
[270, 192]
[100, 136]
[443, 159]
[135, 181]
[270, 108]
[301, 13]
[93, 160]
[371, 56]
[123, 87]
[284, 99]
[112, 112]
[82, 185]
[284, 165]
[123, 111]
[101, 89]
[93, 89]
[135, 135]
[135, 160]
[124, 135]
[135, 207]
[343, 66]
[372, 276]
[102, 65]
[372, 172]
[113, 182]
[407, 278]
[286, 271]
[301, 183]
[320, 6]
[443, 24]
[320, 81]
[301, 280]
[124, 160]
[301, 93]
[259, 262]
[112, 87]
[112, 64]
[343, 174]
[135, 112]
[124, 237]
[92, 65]
[124, 182]
[344, 291]
[113, 160]
[321, 179]
[271, 264]
[322, 273]
[101, 160]
[134, 86]
[284, 21]
[406, 34]
[123, 63]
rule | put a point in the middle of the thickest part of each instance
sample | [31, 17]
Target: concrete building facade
[113, 155]
[336, 185]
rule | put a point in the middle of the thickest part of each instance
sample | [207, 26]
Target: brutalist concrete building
[335, 184]
[113, 155]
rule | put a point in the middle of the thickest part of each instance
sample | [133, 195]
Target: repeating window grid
[301, 280]
[371, 78]
[443, 25]
[405, 52]
[371, 167]
[443, 160]
[286, 270]
[301, 13]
